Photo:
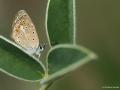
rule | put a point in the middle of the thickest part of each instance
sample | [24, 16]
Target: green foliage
[61, 59]
[15, 61]
[60, 21]
[65, 58]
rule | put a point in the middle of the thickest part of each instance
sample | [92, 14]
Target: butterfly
[24, 33]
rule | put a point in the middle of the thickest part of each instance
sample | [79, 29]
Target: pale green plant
[63, 56]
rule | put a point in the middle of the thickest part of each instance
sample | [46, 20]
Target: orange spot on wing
[17, 30]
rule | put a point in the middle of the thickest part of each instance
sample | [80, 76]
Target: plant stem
[45, 86]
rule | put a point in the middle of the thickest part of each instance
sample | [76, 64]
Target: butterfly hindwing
[24, 32]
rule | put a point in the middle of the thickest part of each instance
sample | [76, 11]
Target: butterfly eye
[41, 48]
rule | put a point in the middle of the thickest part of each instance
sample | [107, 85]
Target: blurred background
[98, 29]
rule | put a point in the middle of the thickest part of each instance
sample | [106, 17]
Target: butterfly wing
[24, 32]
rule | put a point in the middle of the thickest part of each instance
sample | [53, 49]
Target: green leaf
[65, 58]
[60, 21]
[15, 62]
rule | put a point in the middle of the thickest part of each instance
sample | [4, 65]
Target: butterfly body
[24, 33]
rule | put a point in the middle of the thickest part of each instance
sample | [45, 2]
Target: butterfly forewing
[24, 32]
